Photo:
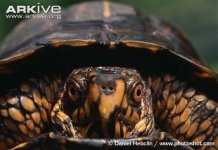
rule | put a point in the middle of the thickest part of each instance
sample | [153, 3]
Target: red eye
[73, 92]
[137, 93]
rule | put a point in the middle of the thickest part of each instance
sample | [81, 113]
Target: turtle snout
[107, 86]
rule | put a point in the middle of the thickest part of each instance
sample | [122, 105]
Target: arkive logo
[34, 9]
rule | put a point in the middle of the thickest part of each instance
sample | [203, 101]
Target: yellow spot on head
[109, 102]
[93, 93]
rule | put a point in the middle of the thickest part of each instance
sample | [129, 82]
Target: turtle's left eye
[137, 93]
[73, 92]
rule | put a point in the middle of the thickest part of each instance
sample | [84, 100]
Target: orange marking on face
[125, 133]
[109, 102]
[87, 108]
[131, 118]
[93, 93]
[128, 112]
[124, 104]
[117, 129]
[134, 117]
[81, 114]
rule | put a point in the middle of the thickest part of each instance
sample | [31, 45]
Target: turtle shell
[103, 33]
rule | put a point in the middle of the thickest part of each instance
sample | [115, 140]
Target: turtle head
[107, 102]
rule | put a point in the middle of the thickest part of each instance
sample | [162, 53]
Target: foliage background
[197, 18]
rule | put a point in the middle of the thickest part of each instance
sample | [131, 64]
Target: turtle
[105, 76]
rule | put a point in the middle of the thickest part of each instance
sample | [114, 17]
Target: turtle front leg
[184, 111]
[61, 119]
[25, 109]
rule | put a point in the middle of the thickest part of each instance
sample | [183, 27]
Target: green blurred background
[197, 18]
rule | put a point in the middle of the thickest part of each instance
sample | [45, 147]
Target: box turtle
[104, 77]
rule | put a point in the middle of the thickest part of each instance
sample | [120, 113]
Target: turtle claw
[70, 130]
[63, 121]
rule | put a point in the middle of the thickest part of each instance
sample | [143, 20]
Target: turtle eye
[137, 93]
[73, 92]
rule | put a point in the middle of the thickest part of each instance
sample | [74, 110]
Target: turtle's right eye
[73, 92]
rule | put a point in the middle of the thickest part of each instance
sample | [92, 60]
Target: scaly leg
[25, 110]
[61, 119]
[184, 111]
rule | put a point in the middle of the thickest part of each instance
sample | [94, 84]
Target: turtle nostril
[111, 88]
[108, 89]
[106, 84]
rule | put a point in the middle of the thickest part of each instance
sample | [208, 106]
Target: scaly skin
[25, 110]
[104, 103]
[179, 109]
[183, 111]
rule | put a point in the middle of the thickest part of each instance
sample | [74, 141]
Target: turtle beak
[107, 91]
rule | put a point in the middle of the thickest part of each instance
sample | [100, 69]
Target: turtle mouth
[106, 124]
[120, 124]
[96, 127]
